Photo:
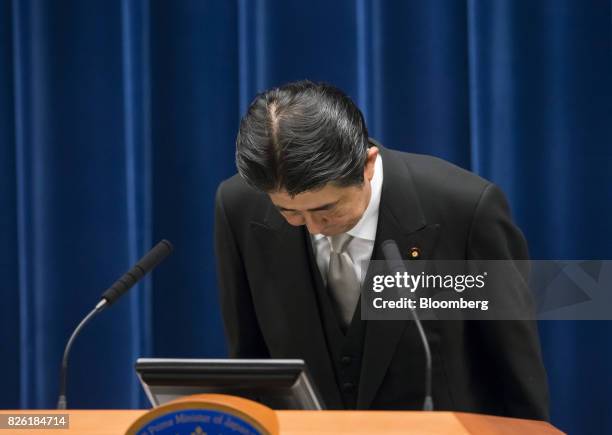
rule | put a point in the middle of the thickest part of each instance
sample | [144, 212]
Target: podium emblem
[207, 414]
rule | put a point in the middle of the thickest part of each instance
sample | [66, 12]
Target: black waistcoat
[345, 348]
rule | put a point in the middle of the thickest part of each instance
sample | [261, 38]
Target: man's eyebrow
[319, 208]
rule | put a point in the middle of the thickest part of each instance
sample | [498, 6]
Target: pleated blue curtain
[118, 118]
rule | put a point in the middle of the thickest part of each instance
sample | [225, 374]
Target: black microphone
[145, 265]
[396, 264]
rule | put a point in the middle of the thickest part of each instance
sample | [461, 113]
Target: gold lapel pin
[415, 253]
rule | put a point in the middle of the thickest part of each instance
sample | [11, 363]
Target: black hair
[301, 136]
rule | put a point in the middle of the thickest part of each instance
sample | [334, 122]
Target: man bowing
[313, 200]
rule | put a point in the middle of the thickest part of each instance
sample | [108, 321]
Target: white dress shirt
[363, 233]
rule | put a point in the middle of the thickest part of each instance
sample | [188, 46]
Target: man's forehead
[311, 199]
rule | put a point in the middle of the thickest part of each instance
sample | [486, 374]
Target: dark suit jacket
[270, 310]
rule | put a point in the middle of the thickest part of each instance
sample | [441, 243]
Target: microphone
[396, 264]
[145, 265]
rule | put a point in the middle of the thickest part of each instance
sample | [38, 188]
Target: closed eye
[324, 207]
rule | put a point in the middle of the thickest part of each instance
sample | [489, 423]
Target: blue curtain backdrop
[118, 119]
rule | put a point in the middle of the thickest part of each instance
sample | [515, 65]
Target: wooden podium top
[110, 422]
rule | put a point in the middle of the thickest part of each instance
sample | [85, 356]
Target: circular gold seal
[202, 414]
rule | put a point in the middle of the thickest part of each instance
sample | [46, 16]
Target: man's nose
[314, 225]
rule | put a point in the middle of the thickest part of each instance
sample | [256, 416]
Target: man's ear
[368, 170]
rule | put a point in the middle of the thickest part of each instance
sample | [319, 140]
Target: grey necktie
[342, 279]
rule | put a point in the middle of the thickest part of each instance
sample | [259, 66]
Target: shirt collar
[366, 227]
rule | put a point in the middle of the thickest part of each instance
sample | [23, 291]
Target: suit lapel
[401, 219]
[291, 289]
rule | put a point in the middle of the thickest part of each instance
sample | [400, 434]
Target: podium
[111, 422]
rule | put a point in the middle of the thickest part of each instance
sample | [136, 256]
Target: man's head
[306, 145]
